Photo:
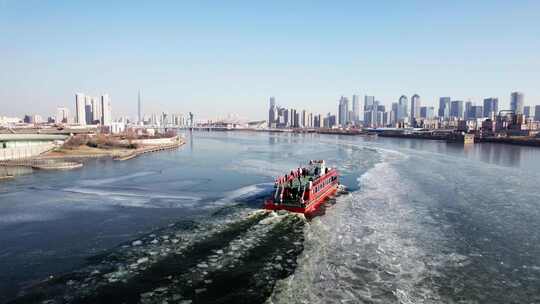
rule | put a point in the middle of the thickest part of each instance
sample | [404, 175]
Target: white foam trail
[110, 180]
[239, 193]
[26, 217]
[129, 194]
[366, 248]
[130, 199]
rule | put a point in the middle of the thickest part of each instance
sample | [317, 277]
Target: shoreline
[116, 154]
[516, 141]
[68, 159]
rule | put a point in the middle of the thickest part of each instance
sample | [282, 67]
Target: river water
[423, 222]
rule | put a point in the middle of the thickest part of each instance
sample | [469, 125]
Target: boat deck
[303, 182]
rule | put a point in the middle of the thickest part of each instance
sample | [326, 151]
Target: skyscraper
[537, 113]
[356, 108]
[317, 121]
[62, 115]
[444, 107]
[517, 102]
[88, 109]
[80, 109]
[527, 111]
[402, 108]
[343, 111]
[456, 108]
[368, 102]
[476, 112]
[491, 107]
[272, 113]
[96, 110]
[303, 119]
[427, 112]
[468, 110]
[393, 115]
[106, 111]
[415, 106]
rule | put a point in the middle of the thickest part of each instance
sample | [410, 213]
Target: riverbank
[73, 157]
[117, 153]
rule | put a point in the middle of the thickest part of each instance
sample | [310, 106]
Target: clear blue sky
[222, 57]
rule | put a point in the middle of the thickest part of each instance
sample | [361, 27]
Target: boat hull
[310, 206]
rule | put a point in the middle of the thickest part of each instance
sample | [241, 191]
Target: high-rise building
[537, 113]
[517, 102]
[430, 113]
[106, 111]
[491, 107]
[468, 110]
[415, 106]
[303, 119]
[286, 117]
[88, 109]
[444, 107]
[80, 109]
[527, 111]
[456, 108]
[62, 115]
[402, 108]
[343, 111]
[368, 102]
[317, 121]
[292, 118]
[96, 110]
[330, 121]
[272, 113]
[356, 108]
[476, 112]
[427, 112]
[393, 118]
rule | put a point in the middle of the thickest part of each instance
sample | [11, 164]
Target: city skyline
[217, 60]
[517, 100]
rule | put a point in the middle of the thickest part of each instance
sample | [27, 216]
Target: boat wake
[369, 248]
[228, 258]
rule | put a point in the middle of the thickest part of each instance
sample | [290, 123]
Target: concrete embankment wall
[25, 151]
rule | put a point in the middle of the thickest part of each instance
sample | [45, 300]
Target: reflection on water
[14, 170]
[499, 154]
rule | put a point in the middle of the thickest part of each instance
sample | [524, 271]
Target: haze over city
[218, 58]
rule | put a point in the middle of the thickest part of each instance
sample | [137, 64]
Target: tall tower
[88, 110]
[139, 120]
[444, 107]
[272, 113]
[491, 107]
[343, 111]
[516, 102]
[80, 111]
[106, 115]
[415, 106]
[96, 110]
[356, 108]
[402, 108]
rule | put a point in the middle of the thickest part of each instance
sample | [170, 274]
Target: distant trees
[99, 141]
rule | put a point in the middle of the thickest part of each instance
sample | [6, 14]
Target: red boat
[303, 190]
